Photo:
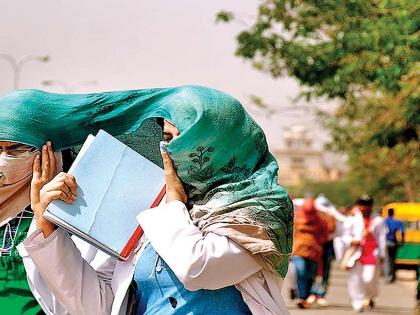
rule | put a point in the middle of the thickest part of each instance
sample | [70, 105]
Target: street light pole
[18, 64]
[68, 88]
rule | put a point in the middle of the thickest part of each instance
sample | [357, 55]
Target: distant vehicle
[408, 254]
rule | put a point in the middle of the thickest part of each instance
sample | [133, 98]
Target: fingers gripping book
[114, 184]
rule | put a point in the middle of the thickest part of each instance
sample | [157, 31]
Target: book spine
[132, 242]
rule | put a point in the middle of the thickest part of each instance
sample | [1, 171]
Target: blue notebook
[115, 184]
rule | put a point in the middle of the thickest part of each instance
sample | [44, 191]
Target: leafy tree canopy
[366, 54]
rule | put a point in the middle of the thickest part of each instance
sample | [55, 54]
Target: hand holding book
[46, 188]
[114, 184]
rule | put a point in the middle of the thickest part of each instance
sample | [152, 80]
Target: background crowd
[362, 241]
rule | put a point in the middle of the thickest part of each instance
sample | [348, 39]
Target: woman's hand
[174, 188]
[45, 187]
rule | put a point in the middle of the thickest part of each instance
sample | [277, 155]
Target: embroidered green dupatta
[221, 154]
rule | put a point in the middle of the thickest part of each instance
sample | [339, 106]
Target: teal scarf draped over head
[221, 154]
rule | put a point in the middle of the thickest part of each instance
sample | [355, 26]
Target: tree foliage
[364, 54]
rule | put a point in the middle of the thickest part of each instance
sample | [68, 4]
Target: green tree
[342, 193]
[365, 54]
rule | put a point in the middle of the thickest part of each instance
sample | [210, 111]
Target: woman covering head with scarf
[16, 161]
[229, 251]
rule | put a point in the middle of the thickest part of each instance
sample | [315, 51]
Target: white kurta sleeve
[73, 282]
[199, 261]
[358, 227]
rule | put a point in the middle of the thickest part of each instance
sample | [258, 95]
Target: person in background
[341, 220]
[369, 243]
[310, 234]
[319, 288]
[392, 226]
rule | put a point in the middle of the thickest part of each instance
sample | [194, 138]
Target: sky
[139, 44]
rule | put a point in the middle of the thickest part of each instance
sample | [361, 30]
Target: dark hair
[68, 155]
[364, 200]
[160, 121]
[391, 212]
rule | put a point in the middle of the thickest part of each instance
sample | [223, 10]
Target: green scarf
[221, 154]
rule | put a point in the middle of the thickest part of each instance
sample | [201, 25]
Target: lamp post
[18, 64]
[69, 87]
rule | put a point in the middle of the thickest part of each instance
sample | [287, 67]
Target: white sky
[136, 44]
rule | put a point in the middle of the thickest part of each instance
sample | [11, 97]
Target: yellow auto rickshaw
[408, 254]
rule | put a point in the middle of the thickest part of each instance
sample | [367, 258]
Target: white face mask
[14, 169]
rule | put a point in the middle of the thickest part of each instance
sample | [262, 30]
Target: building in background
[299, 160]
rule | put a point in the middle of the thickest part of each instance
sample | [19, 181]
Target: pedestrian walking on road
[392, 226]
[310, 234]
[320, 286]
[368, 246]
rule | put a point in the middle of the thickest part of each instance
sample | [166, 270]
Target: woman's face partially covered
[169, 131]
[16, 161]
[14, 149]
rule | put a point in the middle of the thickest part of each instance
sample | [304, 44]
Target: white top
[68, 276]
[355, 230]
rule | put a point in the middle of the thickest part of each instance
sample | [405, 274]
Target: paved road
[394, 299]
